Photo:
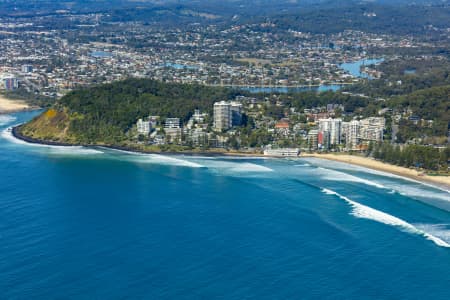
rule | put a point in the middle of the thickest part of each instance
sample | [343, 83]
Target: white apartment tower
[222, 115]
[227, 114]
[352, 134]
[372, 129]
[334, 127]
[143, 127]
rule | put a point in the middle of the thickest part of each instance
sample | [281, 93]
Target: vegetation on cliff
[104, 114]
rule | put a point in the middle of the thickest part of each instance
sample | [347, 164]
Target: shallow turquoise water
[80, 223]
[354, 68]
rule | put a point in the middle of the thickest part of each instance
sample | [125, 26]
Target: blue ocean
[78, 223]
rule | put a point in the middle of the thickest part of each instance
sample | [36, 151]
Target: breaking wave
[418, 192]
[6, 119]
[302, 165]
[333, 175]
[157, 159]
[58, 150]
[166, 160]
[214, 164]
[366, 212]
[348, 167]
[236, 169]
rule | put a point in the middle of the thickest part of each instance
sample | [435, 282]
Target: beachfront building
[222, 116]
[351, 133]
[172, 128]
[236, 113]
[372, 129]
[334, 127]
[323, 140]
[313, 136]
[357, 133]
[143, 127]
[227, 114]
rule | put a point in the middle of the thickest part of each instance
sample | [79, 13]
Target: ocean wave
[58, 150]
[440, 230]
[250, 167]
[236, 168]
[160, 160]
[302, 165]
[333, 175]
[349, 167]
[6, 119]
[366, 212]
[220, 165]
[420, 193]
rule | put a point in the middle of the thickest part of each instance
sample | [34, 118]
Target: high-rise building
[222, 115]
[143, 127]
[236, 113]
[372, 129]
[10, 83]
[323, 140]
[227, 114]
[358, 132]
[351, 132]
[313, 136]
[334, 127]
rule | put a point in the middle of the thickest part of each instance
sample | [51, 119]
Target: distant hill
[398, 17]
[219, 7]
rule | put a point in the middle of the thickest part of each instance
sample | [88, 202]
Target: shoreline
[436, 181]
[30, 140]
[8, 106]
[370, 163]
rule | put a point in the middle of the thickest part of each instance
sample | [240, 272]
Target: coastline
[11, 106]
[15, 132]
[439, 181]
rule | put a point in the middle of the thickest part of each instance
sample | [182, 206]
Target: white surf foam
[345, 166]
[6, 119]
[440, 230]
[420, 193]
[302, 165]
[58, 150]
[333, 175]
[366, 212]
[236, 168]
[161, 160]
[249, 167]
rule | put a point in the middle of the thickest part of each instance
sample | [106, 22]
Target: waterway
[80, 223]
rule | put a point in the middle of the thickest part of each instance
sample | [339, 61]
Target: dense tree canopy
[110, 110]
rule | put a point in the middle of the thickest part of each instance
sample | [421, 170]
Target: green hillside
[104, 114]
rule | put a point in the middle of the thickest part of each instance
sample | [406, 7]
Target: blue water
[180, 66]
[80, 223]
[321, 88]
[101, 54]
[354, 68]
[409, 71]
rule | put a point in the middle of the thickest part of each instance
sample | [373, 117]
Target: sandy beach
[9, 106]
[442, 181]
